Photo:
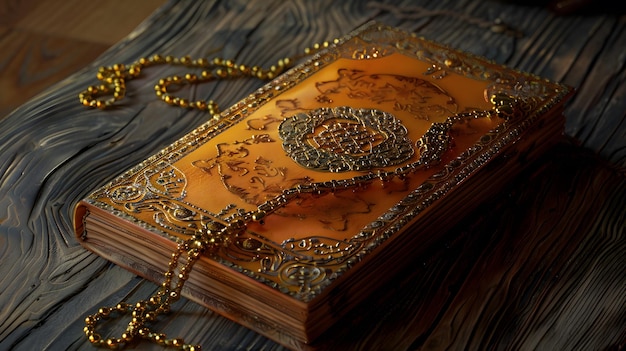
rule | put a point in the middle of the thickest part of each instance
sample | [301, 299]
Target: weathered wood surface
[541, 267]
[45, 41]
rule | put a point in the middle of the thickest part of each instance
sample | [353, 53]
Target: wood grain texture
[31, 62]
[104, 22]
[540, 267]
[43, 42]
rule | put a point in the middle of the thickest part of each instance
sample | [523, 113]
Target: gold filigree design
[345, 139]
[254, 180]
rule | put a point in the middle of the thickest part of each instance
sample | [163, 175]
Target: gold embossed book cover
[317, 187]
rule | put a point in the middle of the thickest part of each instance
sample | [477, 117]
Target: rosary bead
[104, 311]
[185, 60]
[134, 70]
[222, 73]
[191, 78]
[112, 343]
[178, 342]
[159, 338]
[201, 105]
[244, 69]
[90, 321]
[95, 338]
[176, 79]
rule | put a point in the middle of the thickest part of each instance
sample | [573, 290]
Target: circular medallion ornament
[345, 139]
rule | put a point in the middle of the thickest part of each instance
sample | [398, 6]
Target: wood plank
[563, 226]
[11, 11]
[31, 62]
[103, 22]
[45, 41]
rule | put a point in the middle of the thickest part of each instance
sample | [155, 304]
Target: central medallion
[345, 139]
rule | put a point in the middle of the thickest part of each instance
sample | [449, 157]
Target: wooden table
[540, 267]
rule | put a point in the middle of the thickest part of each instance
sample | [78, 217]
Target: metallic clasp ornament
[345, 139]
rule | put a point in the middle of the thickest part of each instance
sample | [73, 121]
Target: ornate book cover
[336, 173]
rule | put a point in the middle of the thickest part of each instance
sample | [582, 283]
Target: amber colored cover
[383, 138]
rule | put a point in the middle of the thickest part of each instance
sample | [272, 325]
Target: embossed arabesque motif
[306, 265]
[345, 139]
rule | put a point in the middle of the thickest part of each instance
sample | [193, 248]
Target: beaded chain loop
[147, 311]
[211, 236]
[114, 78]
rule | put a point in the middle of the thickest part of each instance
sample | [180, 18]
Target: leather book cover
[336, 173]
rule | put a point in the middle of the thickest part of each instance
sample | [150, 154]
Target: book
[342, 170]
